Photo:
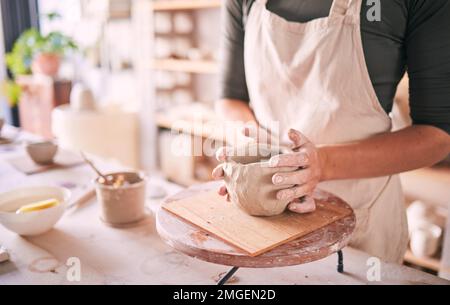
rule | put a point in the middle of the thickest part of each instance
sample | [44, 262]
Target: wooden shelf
[204, 130]
[171, 5]
[184, 65]
[206, 127]
[425, 262]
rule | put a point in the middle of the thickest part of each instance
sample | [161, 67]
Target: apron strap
[344, 7]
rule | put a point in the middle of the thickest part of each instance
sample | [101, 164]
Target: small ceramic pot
[425, 240]
[420, 213]
[122, 204]
[46, 63]
[183, 23]
[248, 179]
[42, 153]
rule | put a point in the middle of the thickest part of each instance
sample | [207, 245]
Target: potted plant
[37, 53]
[49, 50]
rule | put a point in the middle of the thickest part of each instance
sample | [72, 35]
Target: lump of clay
[248, 179]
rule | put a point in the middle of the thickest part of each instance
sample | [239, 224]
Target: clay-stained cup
[122, 205]
[42, 153]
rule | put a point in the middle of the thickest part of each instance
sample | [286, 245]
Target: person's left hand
[305, 158]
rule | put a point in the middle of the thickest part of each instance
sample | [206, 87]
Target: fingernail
[274, 161]
[278, 180]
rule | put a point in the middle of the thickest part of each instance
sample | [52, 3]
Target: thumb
[297, 138]
[223, 153]
[218, 172]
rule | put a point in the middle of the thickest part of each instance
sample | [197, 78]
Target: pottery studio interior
[225, 142]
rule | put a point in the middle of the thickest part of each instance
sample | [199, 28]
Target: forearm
[385, 154]
[235, 110]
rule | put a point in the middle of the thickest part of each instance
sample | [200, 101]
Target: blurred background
[129, 80]
[109, 76]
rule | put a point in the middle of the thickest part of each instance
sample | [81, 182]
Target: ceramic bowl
[36, 222]
[42, 153]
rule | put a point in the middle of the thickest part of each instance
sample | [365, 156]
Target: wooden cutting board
[254, 235]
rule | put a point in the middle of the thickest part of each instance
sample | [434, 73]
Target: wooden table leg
[227, 276]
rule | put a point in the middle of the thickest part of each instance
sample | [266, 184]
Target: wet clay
[248, 179]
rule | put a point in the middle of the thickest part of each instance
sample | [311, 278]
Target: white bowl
[36, 222]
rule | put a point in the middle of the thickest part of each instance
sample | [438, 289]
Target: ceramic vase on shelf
[81, 98]
[425, 240]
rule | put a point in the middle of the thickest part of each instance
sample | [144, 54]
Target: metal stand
[340, 266]
[229, 274]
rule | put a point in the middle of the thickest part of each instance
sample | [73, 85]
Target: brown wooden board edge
[257, 253]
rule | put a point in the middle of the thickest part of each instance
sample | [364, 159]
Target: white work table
[138, 256]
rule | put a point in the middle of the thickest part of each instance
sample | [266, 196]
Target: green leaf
[12, 91]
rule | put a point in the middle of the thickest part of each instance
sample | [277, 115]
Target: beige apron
[313, 77]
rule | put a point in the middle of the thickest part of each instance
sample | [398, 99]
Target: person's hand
[305, 158]
[251, 132]
[218, 173]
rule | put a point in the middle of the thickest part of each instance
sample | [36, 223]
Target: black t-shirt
[413, 35]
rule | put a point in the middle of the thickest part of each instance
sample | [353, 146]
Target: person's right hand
[305, 204]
